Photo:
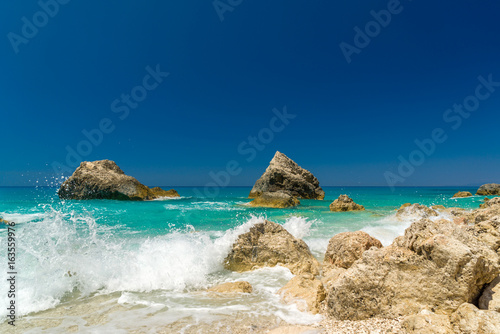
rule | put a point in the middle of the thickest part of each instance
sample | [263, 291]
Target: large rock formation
[345, 203]
[284, 174]
[345, 248]
[278, 199]
[268, 244]
[462, 194]
[436, 265]
[490, 189]
[305, 291]
[105, 180]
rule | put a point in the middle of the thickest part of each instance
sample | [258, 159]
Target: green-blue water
[161, 252]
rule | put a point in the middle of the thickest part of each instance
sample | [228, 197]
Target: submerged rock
[415, 211]
[305, 291]
[283, 174]
[462, 194]
[3, 221]
[345, 203]
[105, 180]
[490, 189]
[435, 265]
[269, 244]
[232, 287]
[345, 248]
[278, 199]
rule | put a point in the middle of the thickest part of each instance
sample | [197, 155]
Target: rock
[490, 189]
[345, 248]
[331, 275]
[284, 174]
[468, 319]
[490, 203]
[462, 194]
[438, 207]
[278, 199]
[3, 221]
[490, 299]
[268, 244]
[105, 180]
[427, 322]
[415, 211]
[304, 290]
[435, 265]
[232, 287]
[345, 203]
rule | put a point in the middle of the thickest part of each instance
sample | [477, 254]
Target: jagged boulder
[103, 179]
[278, 199]
[269, 244]
[345, 203]
[490, 189]
[462, 194]
[345, 248]
[305, 291]
[283, 174]
[436, 265]
[468, 319]
[232, 287]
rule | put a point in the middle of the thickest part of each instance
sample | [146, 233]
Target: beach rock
[438, 207]
[305, 291]
[490, 299]
[284, 174]
[415, 211]
[345, 248]
[427, 322]
[490, 189]
[468, 319]
[278, 199]
[435, 265]
[462, 194]
[490, 203]
[269, 244]
[105, 180]
[345, 203]
[232, 287]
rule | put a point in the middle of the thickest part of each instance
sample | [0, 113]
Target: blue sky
[352, 121]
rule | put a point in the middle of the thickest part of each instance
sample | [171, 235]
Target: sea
[107, 266]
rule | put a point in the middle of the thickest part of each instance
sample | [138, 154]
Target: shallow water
[99, 265]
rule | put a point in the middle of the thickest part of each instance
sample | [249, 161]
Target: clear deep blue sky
[353, 120]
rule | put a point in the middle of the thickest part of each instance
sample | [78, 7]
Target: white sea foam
[299, 227]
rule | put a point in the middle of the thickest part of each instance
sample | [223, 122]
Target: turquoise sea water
[153, 258]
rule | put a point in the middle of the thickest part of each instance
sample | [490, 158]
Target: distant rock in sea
[283, 174]
[277, 199]
[345, 203]
[462, 194]
[103, 179]
[490, 189]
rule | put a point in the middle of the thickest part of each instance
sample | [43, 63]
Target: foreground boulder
[232, 287]
[490, 189]
[427, 322]
[462, 194]
[435, 265]
[278, 199]
[345, 248]
[490, 299]
[105, 180]
[305, 291]
[283, 174]
[345, 203]
[268, 244]
[468, 319]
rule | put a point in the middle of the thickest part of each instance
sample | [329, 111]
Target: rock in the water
[435, 265]
[232, 287]
[490, 189]
[305, 291]
[3, 221]
[427, 322]
[345, 203]
[415, 211]
[284, 174]
[462, 194]
[105, 180]
[345, 248]
[438, 207]
[468, 319]
[278, 199]
[490, 299]
[268, 244]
